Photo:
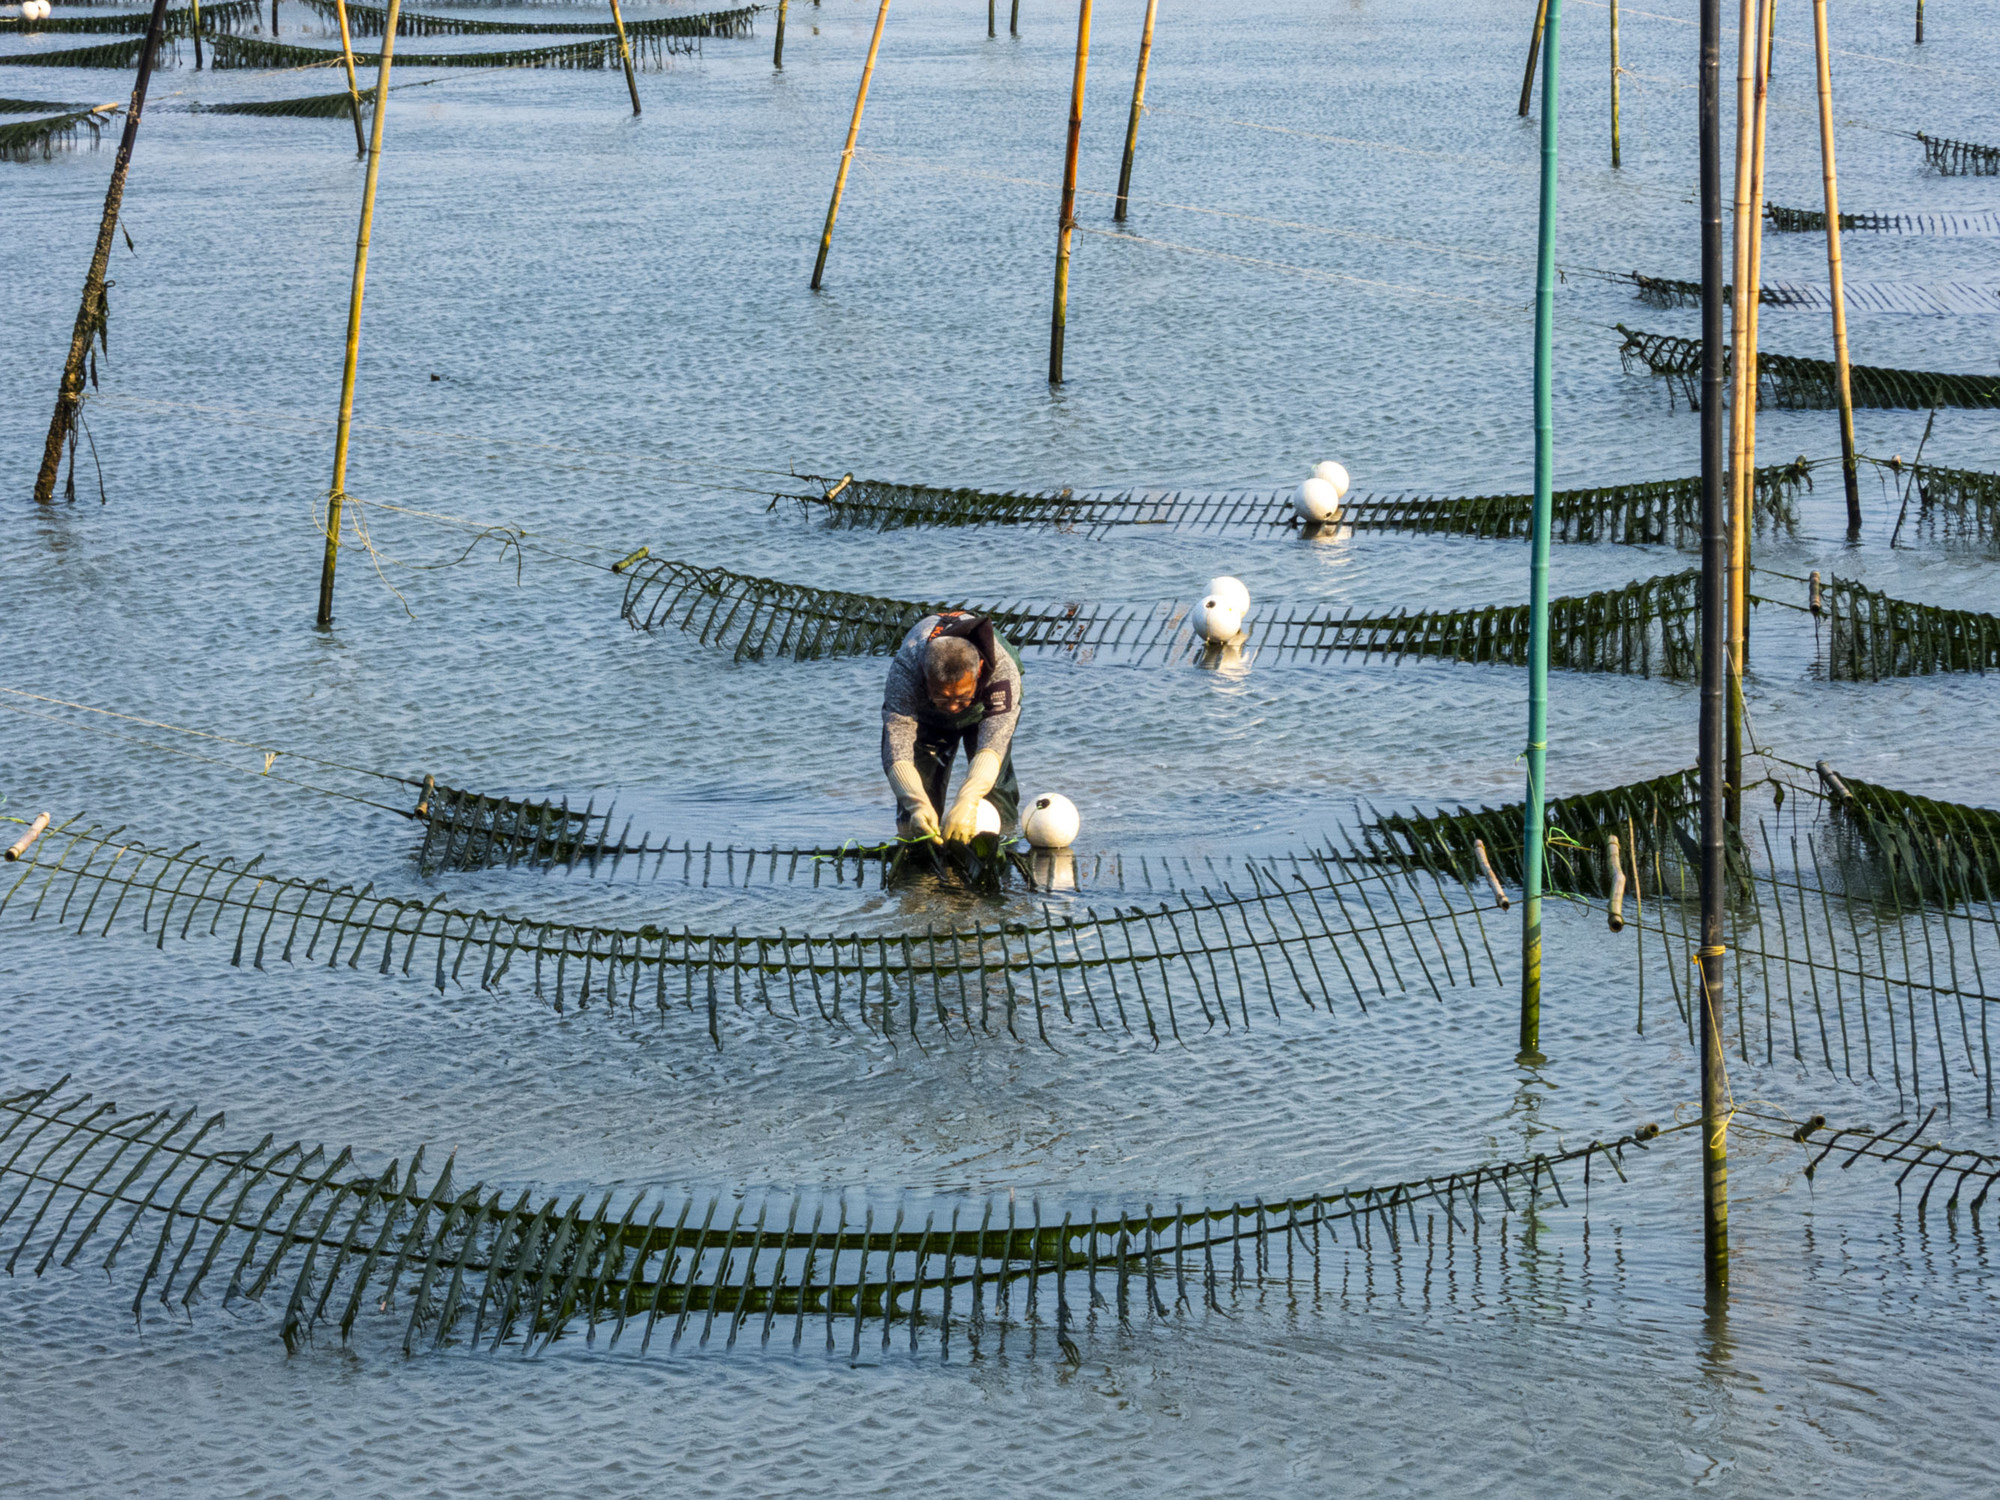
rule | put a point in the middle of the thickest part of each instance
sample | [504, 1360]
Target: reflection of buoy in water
[1051, 822]
[1317, 500]
[1218, 619]
[1334, 475]
[1054, 869]
[1231, 591]
[989, 818]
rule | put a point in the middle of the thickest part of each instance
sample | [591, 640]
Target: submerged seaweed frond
[1647, 511]
[309, 107]
[1666, 292]
[1330, 917]
[1645, 627]
[1813, 220]
[1956, 504]
[123, 54]
[1959, 158]
[487, 1268]
[32, 138]
[371, 20]
[1786, 380]
[649, 50]
[1934, 850]
[1874, 636]
[223, 16]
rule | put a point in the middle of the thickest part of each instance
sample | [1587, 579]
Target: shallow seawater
[1330, 255]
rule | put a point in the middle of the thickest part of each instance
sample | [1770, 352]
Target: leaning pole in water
[1066, 223]
[1538, 572]
[847, 151]
[1714, 666]
[345, 426]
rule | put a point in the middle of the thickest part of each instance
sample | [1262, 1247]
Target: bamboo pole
[625, 56]
[197, 35]
[353, 88]
[1849, 474]
[1534, 51]
[339, 490]
[847, 152]
[1059, 312]
[1138, 108]
[990, 32]
[1614, 86]
[1741, 294]
[274, 20]
[1714, 603]
[1014, 18]
[90, 312]
[778, 47]
[1920, 22]
[1743, 465]
[1532, 831]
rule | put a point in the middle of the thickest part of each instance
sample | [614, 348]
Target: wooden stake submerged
[1849, 474]
[778, 47]
[625, 56]
[1532, 830]
[847, 152]
[1714, 605]
[197, 35]
[1014, 18]
[1615, 163]
[1138, 108]
[338, 492]
[990, 33]
[1059, 313]
[92, 311]
[353, 88]
[1534, 51]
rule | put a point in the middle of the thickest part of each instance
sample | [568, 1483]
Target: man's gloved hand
[962, 822]
[913, 804]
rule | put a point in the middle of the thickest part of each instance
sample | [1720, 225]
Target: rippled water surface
[597, 330]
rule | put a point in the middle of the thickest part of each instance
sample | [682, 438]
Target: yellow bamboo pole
[1534, 52]
[1014, 18]
[1742, 396]
[1848, 471]
[1614, 85]
[353, 88]
[778, 47]
[625, 55]
[847, 152]
[197, 35]
[1138, 108]
[1059, 313]
[339, 490]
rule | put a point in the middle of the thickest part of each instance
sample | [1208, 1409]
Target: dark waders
[937, 748]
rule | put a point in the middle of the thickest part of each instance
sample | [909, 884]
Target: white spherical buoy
[36, 10]
[1334, 475]
[1231, 592]
[1218, 619]
[989, 817]
[1051, 822]
[1316, 501]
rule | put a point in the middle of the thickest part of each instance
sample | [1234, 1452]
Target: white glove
[913, 804]
[962, 822]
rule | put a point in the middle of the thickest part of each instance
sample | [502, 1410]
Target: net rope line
[88, 868]
[537, 1268]
[1805, 46]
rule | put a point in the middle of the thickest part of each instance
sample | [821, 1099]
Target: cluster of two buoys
[35, 10]
[1048, 822]
[1317, 501]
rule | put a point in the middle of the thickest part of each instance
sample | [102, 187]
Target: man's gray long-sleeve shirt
[907, 700]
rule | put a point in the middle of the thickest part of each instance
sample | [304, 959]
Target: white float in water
[1317, 500]
[1051, 822]
[1218, 619]
[1231, 592]
[989, 817]
[36, 10]
[1334, 475]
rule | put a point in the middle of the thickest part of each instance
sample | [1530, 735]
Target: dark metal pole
[1714, 664]
[90, 315]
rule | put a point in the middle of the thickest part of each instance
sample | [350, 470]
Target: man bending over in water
[953, 681]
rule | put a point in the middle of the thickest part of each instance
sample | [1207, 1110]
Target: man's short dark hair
[949, 659]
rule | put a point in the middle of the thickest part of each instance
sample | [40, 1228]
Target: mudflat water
[597, 330]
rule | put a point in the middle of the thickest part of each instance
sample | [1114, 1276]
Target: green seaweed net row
[1955, 504]
[309, 107]
[1785, 380]
[1653, 511]
[1959, 158]
[1337, 925]
[225, 16]
[1873, 636]
[1813, 220]
[31, 138]
[1645, 627]
[373, 20]
[486, 1268]
[652, 50]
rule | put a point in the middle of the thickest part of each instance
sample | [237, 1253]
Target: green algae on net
[1786, 380]
[487, 1268]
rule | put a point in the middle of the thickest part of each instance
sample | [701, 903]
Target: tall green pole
[1538, 585]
